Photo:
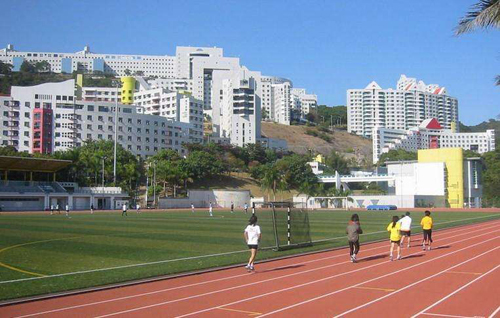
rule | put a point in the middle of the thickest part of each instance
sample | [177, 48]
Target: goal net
[290, 225]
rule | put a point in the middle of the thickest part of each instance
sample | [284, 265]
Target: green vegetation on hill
[485, 125]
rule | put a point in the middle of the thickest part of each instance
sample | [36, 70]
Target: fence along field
[42, 254]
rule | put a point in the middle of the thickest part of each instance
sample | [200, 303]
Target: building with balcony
[403, 108]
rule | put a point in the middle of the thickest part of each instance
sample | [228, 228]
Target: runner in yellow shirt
[394, 228]
[427, 229]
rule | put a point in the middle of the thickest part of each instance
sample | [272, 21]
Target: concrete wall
[202, 198]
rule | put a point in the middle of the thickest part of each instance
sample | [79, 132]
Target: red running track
[458, 278]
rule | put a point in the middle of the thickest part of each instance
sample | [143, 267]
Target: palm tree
[484, 14]
[272, 180]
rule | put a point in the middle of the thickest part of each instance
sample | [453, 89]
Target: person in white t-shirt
[252, 237]
[405, 228]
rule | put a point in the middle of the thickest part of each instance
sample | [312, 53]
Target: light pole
[154, 184]
[103, 158]
[117, 83]
[147, 183]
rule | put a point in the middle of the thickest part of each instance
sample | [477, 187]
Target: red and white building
[429, 135]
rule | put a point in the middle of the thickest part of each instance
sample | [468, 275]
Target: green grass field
[108, 248]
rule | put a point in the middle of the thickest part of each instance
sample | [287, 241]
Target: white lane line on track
[199, 256]
[418, 282]
[448, 231]
[386, 275]
[495, 312]
[284, 289]
[456, 291]
[451, 316]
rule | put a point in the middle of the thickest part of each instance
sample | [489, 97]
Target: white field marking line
[449, 231]
[495, 312]
[182, 259]
[383, 276]
[456, 291]
[420, 281]
[262, 295]
[452, 316]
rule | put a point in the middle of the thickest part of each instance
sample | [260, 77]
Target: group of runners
[211, 208]
[399, 229]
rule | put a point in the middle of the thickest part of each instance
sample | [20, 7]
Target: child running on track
[405, 228]
[353, 230]
[427, 229]
[252, 237]
[394, 227]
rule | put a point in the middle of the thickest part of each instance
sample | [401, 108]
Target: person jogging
[192, 207]
[353, 230]
[246, 208]
[405, 229]
[67, 210]
[252, 236]
[124, 209]
[91, 209]
[232, 207]
[211, 209]
[395, 237]
[138, 208]
[427, 230]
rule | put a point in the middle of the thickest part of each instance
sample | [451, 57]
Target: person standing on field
[252, 236]
[92, 209]
[67, 210]
[405, 229]
[51, 209]
[427, 224]
[232, 207]
[192, 207]
[353, 230]
[138, 208]
[124, 210]
[58, 208]
[210, 209]
[246, 208]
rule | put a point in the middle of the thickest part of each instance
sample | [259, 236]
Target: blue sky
[324, 46]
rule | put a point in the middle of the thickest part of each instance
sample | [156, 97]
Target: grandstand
[29, 184]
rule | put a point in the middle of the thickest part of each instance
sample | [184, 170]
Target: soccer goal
[290, 225]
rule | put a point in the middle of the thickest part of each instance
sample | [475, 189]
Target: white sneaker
[399, 257]
[423, 247]
[390, 258]
[352, 259]
[429, 248]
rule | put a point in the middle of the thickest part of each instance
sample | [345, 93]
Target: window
[90, 108]
[27, 104]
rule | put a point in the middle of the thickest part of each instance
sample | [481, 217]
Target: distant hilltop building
[402, 108]
[199, 70]
[429, 135]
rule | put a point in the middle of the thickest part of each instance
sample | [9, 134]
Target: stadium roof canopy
[8, 163]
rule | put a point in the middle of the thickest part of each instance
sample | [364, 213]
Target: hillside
[300, 142]
[485, 125]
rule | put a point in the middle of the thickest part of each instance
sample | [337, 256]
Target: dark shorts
[253, 247]
[406, 233]
[397, 242]
[427, 235]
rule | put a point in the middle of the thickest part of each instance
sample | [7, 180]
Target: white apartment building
[428, 135]
[87, 61]
[267, 101]
[282, 103]
[48, 118]
[240, 107]
[403, 108]
[174, 106]
[302, 102]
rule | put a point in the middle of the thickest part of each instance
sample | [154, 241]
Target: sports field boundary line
[203, 271]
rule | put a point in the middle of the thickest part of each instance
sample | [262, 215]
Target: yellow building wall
[454, 163]
[128, 87]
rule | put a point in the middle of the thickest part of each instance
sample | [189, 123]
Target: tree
[42, 67]
[27, 67]
[484, 15]
[491, 178]
[5, 68]
[336, 162]
[397, 155]
[139, 73]
[272, 179]
[127, 72]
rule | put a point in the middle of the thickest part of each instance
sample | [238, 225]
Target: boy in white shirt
[405, 228]
[252, 237]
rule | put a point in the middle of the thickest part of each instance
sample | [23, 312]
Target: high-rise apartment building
[403, 108]
[303, 103]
